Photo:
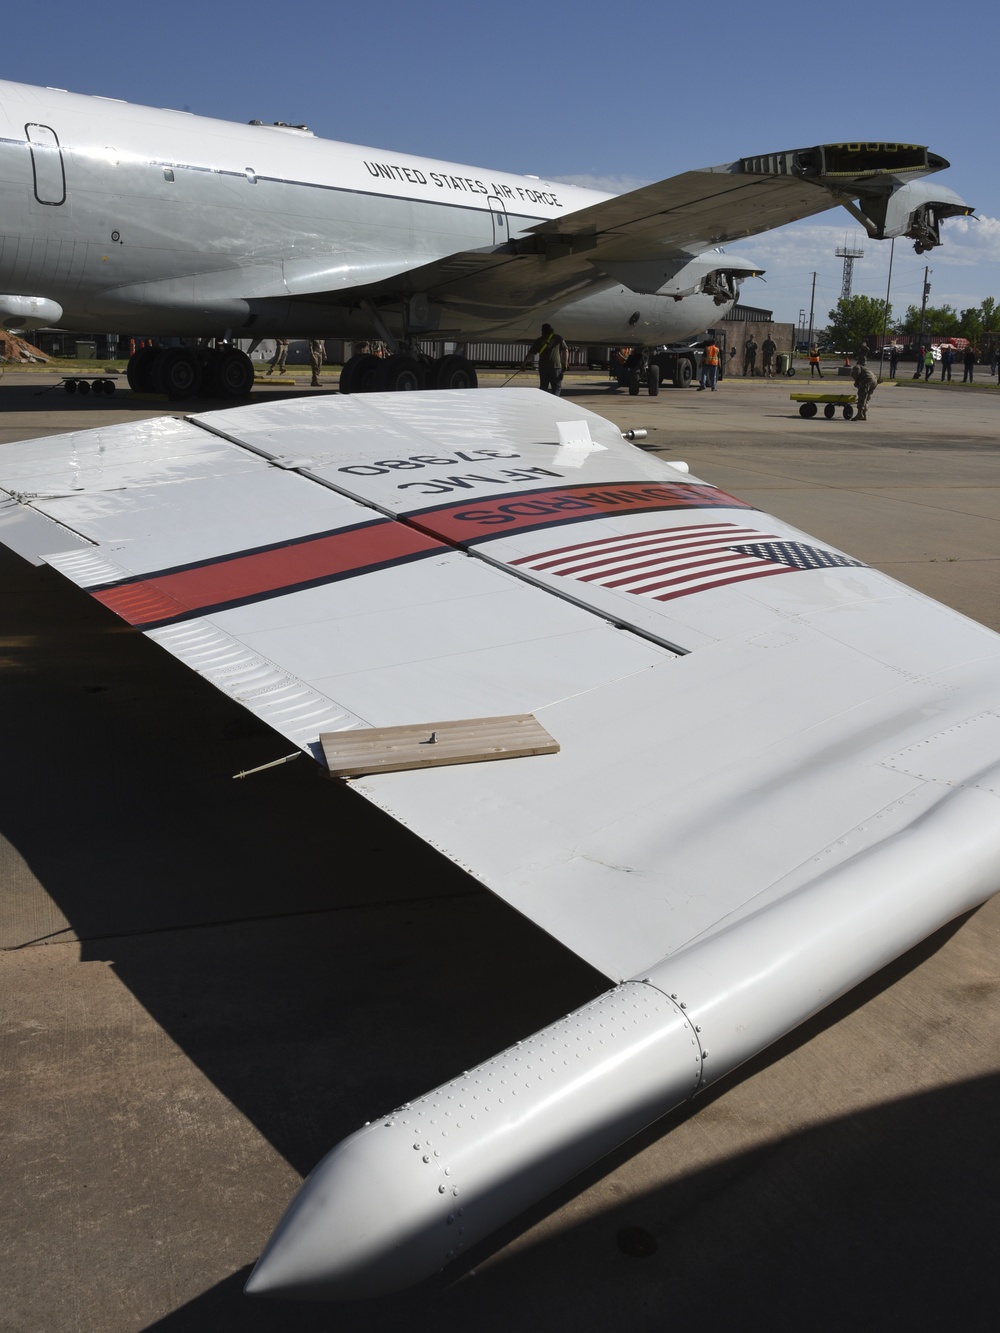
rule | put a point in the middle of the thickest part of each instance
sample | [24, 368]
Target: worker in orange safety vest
[709, 367]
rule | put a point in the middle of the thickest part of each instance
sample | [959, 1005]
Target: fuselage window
[168, 173]
[46, 164]
[251, 175]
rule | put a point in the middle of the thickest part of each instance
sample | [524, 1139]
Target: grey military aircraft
[118, 217]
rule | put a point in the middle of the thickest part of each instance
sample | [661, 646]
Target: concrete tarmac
[206, 983]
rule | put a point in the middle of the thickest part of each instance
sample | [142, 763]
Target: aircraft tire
[653, 380]
[359, 373]
[230, 373]
[455, 372]
[177, 373]
[633, 383]
[347, 373]
[401, 373]
[139, 368]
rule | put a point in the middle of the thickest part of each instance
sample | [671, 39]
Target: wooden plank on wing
[351, 754]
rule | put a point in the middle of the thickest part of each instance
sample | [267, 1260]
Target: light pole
[923, 307]
[885, 315]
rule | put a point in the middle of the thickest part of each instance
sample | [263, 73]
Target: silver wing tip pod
[411, 1192]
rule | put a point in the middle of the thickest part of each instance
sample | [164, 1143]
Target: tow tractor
[678, 364]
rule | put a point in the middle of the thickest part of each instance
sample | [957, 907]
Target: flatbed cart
[809, 404]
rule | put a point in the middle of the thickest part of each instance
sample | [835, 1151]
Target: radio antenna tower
[848, 253]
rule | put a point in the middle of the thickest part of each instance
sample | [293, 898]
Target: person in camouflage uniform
[866, 384]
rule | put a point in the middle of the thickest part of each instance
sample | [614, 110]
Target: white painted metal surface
[454, 1165]
[769, 782]
[776, 725]
[219, 226]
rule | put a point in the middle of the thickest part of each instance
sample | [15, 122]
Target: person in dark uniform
[750, 356]
[968, 364]
[767, 350]
[277, 361]
[317, 351]
[553, 358]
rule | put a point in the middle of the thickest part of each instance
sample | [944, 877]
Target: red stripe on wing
[243, 578]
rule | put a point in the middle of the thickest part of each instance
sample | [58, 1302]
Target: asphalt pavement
[207, 982]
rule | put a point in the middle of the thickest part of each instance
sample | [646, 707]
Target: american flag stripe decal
[676, 562]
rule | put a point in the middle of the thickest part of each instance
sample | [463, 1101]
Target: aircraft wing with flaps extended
[777, 768]
[644, 237]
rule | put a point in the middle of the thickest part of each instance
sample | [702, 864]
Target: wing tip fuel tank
[397, 1201]
[405, 1196]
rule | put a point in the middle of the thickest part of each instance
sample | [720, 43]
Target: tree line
[857, 317]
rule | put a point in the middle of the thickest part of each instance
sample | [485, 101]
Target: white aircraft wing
[703, 666]
[719, 205]
[643, 237]
[777, 767]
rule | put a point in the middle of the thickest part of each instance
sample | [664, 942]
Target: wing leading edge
[661, 227]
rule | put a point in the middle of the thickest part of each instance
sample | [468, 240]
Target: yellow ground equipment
[809, 404]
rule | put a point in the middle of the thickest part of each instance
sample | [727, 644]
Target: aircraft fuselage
[119, 217]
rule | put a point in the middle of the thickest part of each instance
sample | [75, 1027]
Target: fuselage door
[501, 227]
[46, 164]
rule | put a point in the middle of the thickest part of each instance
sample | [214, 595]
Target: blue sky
[602, 94]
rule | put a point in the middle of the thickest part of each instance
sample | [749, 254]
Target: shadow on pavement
[822, 1230]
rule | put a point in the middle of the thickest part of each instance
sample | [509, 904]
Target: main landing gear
[404, 372]
[185, 372]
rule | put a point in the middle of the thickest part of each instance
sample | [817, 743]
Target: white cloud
[969, 241]
[609, 184]
[964, 269]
